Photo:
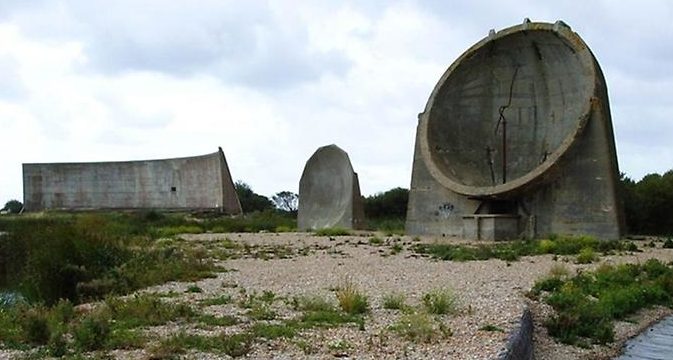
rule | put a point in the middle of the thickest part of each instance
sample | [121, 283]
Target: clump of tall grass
[350, 298]
[440, 301]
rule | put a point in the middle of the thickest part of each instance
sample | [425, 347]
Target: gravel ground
[489, 292]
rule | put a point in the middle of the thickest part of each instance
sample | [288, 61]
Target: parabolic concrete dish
[519, 127]
[199, 182]
[329, 192]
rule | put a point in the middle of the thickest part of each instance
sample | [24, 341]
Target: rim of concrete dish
[587, 60]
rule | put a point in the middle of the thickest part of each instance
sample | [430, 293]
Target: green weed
[440, 301]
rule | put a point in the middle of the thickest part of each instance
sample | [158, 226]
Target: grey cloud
[238, 42]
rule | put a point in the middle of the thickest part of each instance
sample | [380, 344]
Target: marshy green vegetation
[585, 247]
[587, 304]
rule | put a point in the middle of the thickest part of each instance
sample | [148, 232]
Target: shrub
[92, 332]
[145, 310]
[35, 325]
[416, 327]
[311, 303]
[350, 299]
[333, 231]
[587, 303]
[273, 331]
[586, 256]
[440, 301]
[394, 301]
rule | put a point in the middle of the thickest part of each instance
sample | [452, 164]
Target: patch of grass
[416, 327]
[332, 231]
[326, 318]
[350, 299]
[375, 240]
[170, 231]
[284, 228]
[339, 345]
[126, 339]
[91, 332]
[491, 327]
[511, 251]
[559, 271]
[194, 289]
[440, 301]
[261, 311]
[311, 303]
[396, 249]
[235, 345]
[587, 303]
[220, 300]
[145, 310]
[273, 331]
[586, 256]
[394, 301]
[225, 320]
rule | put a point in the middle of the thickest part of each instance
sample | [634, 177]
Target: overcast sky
[270, 82]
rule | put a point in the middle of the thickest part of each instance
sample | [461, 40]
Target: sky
[271, 81]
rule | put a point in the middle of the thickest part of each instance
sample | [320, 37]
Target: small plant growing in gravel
[396, 249]
[335, 231]
[350, 299]
[440, 301]
[559, 271]
[375, 240]
[491, 327]
[194, 289]
[311, 303]
[394, 301]
[668, 244]
[416, 327]
[339, 345]
[586, 256]
[92, 332]
[220, 300]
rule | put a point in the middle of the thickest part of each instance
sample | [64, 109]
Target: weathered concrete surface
[656, 343]
[199, 182]
[329, 192]
[520, 343]
[521, 118]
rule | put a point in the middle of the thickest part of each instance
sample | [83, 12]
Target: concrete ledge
[520, 343]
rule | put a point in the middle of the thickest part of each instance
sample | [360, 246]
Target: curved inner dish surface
[326, 187]
[524, 94]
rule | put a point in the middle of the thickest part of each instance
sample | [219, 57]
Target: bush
[416, 327]
[394, 301]
[586, 304]
[333, 231]
[440, 301]
[350, 299]
[92, 332]
[586, 256]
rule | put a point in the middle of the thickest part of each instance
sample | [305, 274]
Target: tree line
[648, 204]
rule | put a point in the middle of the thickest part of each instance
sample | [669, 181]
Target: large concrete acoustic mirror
[516, 141]
[189, 183]
[329, 192]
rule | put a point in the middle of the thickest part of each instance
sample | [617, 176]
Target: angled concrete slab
[329, 192]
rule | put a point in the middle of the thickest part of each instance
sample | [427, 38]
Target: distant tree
[286, 201]
[648, 204]
[13, 206]
[391, 204]
[250, 201]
